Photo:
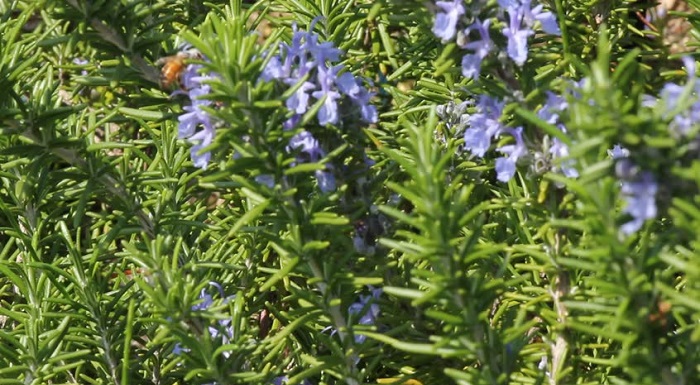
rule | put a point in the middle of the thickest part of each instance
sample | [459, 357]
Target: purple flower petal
[306, 144]
[371, 313]
[689, 64]
[640, 200]
[369, 113]
[348, 85]
[506, 166]
[445, 25]
[266, 180]
[326, 181]
[481, 47]
[299, 101]
[273, 70]
[517, 44]
[618, 152]
[561, 150]
[549, 23]
[328, 113]
[477, 141]
[471, 66]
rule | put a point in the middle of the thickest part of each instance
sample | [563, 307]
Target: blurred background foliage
[110, 238]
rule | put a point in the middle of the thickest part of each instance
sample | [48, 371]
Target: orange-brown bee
[660, 315]
[173, 66]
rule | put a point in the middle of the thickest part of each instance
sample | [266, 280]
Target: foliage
[381, 214]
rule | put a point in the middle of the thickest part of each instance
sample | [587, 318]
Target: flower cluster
[674, 95]
[522, 18]
[506, 165]
[550, 113]
[446, 20]
[484, 125]
[638, 189]
[196, 124]
[308, 150]
[224, 331]
[680, 106]
[367, 310]
[308, 65]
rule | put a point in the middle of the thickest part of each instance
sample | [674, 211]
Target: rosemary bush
[348, 192]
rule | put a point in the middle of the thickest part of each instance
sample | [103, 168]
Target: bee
[660, 315]
[173, 66]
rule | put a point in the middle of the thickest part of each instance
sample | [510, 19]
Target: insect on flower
[172, 69]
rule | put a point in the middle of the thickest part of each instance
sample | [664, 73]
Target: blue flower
[328, 113]
[360, 245]
[306, 144]
[325, 180]
[471, 66]
[310, 151]
[368, 112]
[549, 113]
[299, 101]
[471, 63]
[522, 19]
[81, 62]
[296, 54]
[305, 56]
[638, 189]
[189, 122]
[206, 300]
[561, 150]
[323, 52]
[624, 168]
[517, 37]
[266, 180]
[531, 16]
[477, 141]
[193, 118]
[506, 166]
[546, 19]
[273, 70]
[672, 95]
[552, 107]
[348, 85]
[291, 122]
[370, 314]
[484, 125]
[509, 4]
[195, 124]
[201, 140]
[446, 21]
[640, 195]
[618, 152]
[690, 66]
[311, 62]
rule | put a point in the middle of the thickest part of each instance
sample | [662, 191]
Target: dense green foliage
[123, 263]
